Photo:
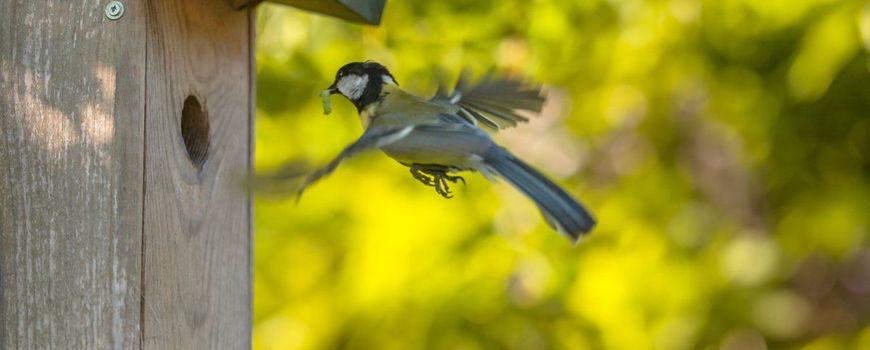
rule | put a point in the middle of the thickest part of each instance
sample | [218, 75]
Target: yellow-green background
[724, 146]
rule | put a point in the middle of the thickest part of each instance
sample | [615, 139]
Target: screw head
[114, 10]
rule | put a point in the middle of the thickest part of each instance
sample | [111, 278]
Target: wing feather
[493, 102]
[371, 139]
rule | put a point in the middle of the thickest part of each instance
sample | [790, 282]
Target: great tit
[445, 134]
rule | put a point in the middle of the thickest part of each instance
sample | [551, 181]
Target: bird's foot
[441, 186]
[436, 176]
[422, 175]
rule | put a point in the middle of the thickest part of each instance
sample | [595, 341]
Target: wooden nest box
[126, 129]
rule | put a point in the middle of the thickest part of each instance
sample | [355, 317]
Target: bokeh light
[724, 147]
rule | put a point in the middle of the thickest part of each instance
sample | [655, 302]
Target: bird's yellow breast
[365, 116]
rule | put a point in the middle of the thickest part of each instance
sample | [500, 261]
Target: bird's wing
[373, 138]
[493, 102]
[447, 140]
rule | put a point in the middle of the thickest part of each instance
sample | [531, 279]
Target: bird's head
[361, 82]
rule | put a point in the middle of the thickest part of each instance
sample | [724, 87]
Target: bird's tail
[562, 212]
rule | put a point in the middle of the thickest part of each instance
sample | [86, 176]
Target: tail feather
[564, 213]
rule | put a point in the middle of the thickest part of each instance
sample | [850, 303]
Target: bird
[450, 133]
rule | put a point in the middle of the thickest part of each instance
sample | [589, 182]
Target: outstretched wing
[493, 103]
[372, 138]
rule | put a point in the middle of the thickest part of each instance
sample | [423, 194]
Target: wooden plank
[197, 218]
[71, 174]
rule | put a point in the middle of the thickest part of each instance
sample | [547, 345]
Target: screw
[114, 10]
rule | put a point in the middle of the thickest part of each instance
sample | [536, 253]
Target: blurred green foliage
[723, 145]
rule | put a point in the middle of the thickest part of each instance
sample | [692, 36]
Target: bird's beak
[332, 89]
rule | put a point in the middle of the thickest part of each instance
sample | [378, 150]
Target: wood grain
[197, 221]
[110, 237]
[71, 175]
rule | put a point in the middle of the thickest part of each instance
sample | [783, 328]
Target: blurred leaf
[722, 145]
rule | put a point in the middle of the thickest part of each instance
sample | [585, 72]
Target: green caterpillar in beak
[327, 102]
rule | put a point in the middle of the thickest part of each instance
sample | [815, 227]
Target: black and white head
[361, 82]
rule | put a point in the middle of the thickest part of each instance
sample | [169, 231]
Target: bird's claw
[435, 176]
[422, 176]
